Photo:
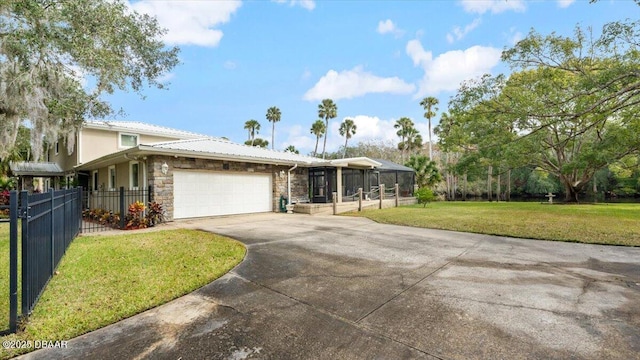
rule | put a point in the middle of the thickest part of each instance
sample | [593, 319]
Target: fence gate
[49, 223]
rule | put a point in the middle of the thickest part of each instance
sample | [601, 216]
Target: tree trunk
[273, 136]
[344, 154]
[509, 185]
[499, 191]
[315, 150]
[489, 173]
[595, 190]
[464, 189]
[455, 187]
[571, 193]
[326, 135]
[430, 153]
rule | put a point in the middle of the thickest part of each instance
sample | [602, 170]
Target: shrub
[135, 219]
[424, 196]
[4, 197]
[155, 213]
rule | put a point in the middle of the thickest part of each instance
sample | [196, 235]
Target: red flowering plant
[135, 218]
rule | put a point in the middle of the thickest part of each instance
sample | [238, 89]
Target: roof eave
[143, 150]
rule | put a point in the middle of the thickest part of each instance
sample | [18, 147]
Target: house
[194, 175]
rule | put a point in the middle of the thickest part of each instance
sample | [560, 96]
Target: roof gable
[225, 148]
[141, 128]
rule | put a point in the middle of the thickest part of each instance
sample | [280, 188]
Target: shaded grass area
[104, 279]
[611, 224]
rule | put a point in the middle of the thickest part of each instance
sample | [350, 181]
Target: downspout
[289, 184]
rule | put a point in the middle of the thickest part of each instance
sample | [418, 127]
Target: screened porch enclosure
[323, 181]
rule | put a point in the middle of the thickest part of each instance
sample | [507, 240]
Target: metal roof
[228, 149]
[390, 165]
[357, 161]
[35, 169]
[142, 128]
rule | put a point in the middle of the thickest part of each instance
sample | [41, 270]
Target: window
[112, 177]
[95, 180]
[128, 140]
[134, 171]
[57, 147]
[70, 181]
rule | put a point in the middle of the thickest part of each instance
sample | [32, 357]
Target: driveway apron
[331, 287]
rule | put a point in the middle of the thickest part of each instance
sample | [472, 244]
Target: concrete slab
[327, 287]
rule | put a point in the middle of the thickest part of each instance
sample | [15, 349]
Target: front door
[323, 183]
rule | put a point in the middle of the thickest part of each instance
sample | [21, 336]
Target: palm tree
[415, 143]
[327, 110]
[253, 126]
[257, 142]
[403, 125]
[429, 105]
[273, 115]
[292, 149]
[427, 174]
[347, 129]
[318, 129]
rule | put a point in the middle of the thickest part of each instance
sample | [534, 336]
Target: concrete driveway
[327, 287]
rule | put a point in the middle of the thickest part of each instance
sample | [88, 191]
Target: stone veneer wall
[163, 184]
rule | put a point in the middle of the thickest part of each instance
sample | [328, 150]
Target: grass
[104, 279]
[611, 224]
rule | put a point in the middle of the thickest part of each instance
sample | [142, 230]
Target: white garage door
[198, 193]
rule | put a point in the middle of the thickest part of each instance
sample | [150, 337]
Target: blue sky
[375, 59]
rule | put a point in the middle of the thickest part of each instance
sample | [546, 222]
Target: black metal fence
[107, 210]
[49, 223]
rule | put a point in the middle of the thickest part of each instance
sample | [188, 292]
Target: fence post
[397, 195]
[24, 209]
[122, 207]
[79, 205]
[359, 199]
[381, 194]
[335, 203]
[52, 228]
[13, 261]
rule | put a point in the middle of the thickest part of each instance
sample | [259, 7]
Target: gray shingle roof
[390, 165]
[35, 169]
[225, 148]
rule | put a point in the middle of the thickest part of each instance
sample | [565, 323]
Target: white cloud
[78, 74]
[513, 36]
[166, 78]
[388, 27]
[417, 53]
[230, 65]
[565, 3]
[306, 4]
[459, 33]
[495, 6]
[190, 22]
[448, 70]
[306, 75]
[300, 138]
[354, 83]
[369, 128]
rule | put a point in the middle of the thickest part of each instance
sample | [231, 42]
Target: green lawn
[104, 279]
[613, 224]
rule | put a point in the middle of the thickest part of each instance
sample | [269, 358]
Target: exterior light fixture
[281, 173]
[165, 168]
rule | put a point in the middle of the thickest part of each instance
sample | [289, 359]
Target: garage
[206, 193]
